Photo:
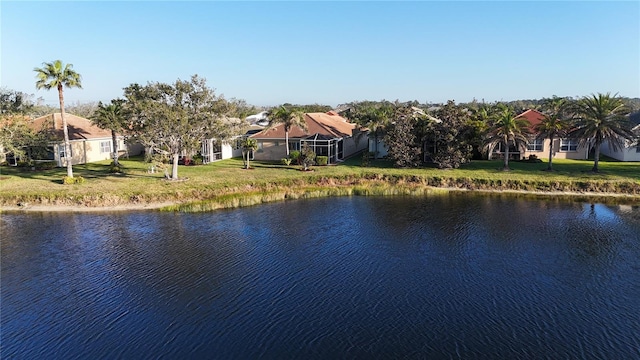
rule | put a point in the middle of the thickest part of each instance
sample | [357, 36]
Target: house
[631, 149]
[328, 134]
[563, 148]
[89, 143]
[215, 150]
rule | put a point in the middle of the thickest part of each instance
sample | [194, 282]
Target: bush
[286, 161]
[73, 180]
[322, 160]
[307, 157]
[45, 165]
[24, 163]
[295, 156]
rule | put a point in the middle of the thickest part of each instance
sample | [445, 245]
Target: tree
[289, 118]
[14, 102]
[248, 145]
[110, 117]
[15, 135]
[375, 116]
[172, 119]
[448, 137]
[600, 118]
[58, 75]
[506, 129]
[404, 147]
[553, 123]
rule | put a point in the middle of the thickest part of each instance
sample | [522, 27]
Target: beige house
[328, 134]
[565, 148]
[89, 143]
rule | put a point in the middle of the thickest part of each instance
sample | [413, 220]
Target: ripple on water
[441, 277]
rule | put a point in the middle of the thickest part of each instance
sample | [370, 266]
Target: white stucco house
[631, 149]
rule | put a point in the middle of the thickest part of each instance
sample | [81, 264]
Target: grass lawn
[225, 178]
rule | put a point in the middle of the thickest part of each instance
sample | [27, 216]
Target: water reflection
[443, 276]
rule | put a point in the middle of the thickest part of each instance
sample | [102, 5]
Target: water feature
[452, 276]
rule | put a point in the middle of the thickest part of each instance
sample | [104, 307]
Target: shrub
[286, 161]
[308, 157]
[322, 160]
[24, 163]
[45, 165]
[295, 156]
[73, 180]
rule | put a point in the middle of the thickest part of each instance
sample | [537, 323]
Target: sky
[306, 52]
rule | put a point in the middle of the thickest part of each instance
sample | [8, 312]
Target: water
[442, 277]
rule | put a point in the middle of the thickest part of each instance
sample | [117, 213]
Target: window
[260, 146]
[535, 145]
[105, 147]
[568, 145]
[294, 145]
[61, 151]
[638, 148]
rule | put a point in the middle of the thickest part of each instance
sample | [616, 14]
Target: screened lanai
[324, 145]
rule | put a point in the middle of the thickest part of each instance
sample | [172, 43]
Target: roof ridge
[322, 125]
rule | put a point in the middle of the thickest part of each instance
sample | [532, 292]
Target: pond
[447, 276]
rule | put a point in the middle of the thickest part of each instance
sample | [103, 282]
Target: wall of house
[382, 147]
[270, 150]
[87, 151]
[581, 152]
[629, 153]
[353, 145]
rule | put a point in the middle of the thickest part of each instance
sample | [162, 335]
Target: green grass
[226, 184]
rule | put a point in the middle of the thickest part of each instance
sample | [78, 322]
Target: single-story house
[215, 150]
[89, 143]
[631, 149]
[328, 134]
[563, 148]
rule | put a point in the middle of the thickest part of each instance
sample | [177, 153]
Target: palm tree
[110, 117]
[600, 118]
[506, 129]
[58, 75]
[553, 123]
[248, 145]
[373, 116]
[289, 118]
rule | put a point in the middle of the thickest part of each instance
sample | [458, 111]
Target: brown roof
[534, 117]
[79, 128]
[325, 124]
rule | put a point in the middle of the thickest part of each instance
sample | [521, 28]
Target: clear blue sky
[330, 52]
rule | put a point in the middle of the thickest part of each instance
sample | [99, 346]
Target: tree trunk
[65, 130]
[506, 156]
[114, 140]
[174, 168]
[286, 141]
[550, 166]
[375, 138]
[596, 157]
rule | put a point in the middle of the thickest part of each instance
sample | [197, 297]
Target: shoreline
[597, 197]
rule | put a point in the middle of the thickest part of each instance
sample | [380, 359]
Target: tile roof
[79, 128]
[325, 124]
[534, 117]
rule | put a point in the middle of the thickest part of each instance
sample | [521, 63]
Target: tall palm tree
[110, 117]
[58, 75]
[506, 129]
[553, 123]
[600, 118]
[289, 118]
